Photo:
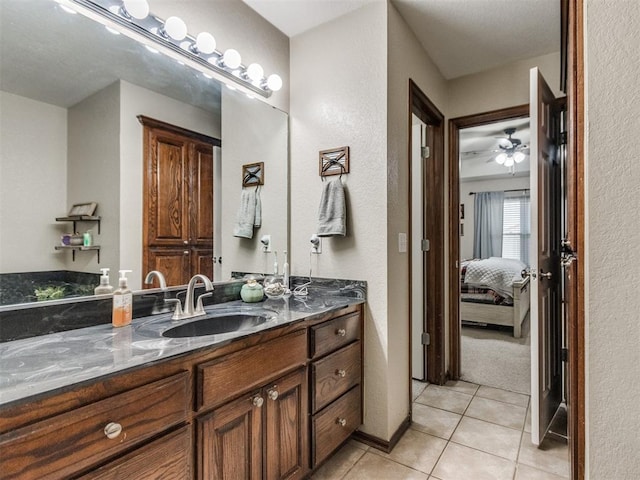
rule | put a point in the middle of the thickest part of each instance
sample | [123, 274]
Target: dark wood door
[546, 363]
[230, 440]
[201, 187]
[286, 447]
[174, 263]
[201, 261]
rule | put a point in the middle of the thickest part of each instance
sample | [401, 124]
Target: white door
[546, 375]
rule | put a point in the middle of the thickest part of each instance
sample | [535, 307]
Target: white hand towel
[332, 214]
[257, 221]
[246, 214]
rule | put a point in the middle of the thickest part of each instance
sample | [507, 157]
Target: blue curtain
[487, 218]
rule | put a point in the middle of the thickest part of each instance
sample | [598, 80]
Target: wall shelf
[80, 218]
[82, 248]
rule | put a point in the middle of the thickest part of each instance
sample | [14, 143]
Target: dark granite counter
[45, 363]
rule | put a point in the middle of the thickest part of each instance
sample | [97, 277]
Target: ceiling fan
[511, 150]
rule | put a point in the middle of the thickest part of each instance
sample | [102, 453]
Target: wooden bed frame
[510, 316]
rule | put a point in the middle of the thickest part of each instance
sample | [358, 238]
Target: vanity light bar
[152, 32]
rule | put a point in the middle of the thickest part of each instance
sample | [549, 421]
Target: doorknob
[546, 275]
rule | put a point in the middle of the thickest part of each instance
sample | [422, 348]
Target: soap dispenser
[122, 302]
[104, 286]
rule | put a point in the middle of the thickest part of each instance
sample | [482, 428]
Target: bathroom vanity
[269, 402]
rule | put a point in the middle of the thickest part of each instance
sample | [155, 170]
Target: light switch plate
[402, 242]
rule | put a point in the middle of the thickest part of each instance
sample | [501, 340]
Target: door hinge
[563, 138]
[564, 353]
[426, 152]
[425, 245]
[426, 338]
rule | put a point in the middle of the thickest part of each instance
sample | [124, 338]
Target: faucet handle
[200, 306]
[177, 314]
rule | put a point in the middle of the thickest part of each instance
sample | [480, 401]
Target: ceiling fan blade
[504, 142]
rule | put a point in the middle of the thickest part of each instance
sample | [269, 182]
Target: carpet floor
[492, 357]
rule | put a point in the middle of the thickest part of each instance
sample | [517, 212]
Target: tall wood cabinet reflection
[178, 201]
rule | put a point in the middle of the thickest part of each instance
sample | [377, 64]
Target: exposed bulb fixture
[501, 158]
[231, 59]
[255, 72]
[205, 43]
[274, 82]
[175, 28]
[135, 8]
[518, 157]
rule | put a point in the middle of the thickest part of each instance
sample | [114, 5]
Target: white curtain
[488, 216]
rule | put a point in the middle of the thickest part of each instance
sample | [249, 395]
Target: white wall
[33, 170]
[613, 235]
[253, 132]
[235, 25]
[136, 101]
[338, 93]
[93, 175]
[493, 185]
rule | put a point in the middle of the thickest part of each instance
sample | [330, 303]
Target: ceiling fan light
[518, 157]
[508, 162]
[501, 158]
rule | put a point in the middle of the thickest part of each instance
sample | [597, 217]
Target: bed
[493, 292]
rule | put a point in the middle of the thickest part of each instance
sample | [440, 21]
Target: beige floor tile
[552, 456]
[417, 388]
[440, 397]
[417, 450]
[503, 396]
[504, 414]
[434, 421]
[527, 421]
[358, 444]
[462, 386]
[523, 472]
[339, 464]
[374, 467]
[488, 437]
[463, 463]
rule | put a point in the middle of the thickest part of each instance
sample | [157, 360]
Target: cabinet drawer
[331, 335]
[68, 443]
[227, 377]
[334, 375]
[334, 424]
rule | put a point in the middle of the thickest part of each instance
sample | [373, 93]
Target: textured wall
[613, 203]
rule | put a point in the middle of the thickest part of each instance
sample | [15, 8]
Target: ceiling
[461, 36]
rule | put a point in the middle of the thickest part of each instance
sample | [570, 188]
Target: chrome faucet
[191, 310]
[155, 273]
[159, 305]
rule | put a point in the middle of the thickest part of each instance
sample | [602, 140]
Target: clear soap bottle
[122, 302]
[104, 286]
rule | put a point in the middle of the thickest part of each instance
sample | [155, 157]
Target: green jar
[251, 292]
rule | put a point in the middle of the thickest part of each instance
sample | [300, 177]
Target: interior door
[546, 363]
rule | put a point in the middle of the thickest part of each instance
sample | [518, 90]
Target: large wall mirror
[71, 93]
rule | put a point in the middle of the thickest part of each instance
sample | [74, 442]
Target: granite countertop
[44, 363]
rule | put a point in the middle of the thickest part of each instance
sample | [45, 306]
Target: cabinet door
[202, 261]
[201, 188]
[175, 263]
[287, 452]
[230, 440]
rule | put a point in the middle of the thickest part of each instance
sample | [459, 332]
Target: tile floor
[460, 431]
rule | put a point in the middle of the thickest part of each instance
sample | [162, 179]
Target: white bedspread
[496, 273]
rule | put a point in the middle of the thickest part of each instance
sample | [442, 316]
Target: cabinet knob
[341, 373]
[186, 252]
[186, 242]
[257, 401]
[342, 422]
[341, 332]
[112, 430]
[272, 393]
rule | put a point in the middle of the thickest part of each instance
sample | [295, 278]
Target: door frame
[455, 125]
[433, 187]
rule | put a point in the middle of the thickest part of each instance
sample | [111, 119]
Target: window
[516, 227]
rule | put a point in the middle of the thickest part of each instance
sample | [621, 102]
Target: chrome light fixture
[171, 37]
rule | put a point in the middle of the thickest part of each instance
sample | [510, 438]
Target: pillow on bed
[497, 273]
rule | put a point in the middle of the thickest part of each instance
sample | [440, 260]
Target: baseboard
[380, 444]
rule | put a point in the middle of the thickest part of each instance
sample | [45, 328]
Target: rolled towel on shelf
[246, 218]
[332, 214]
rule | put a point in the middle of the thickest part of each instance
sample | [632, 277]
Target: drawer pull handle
[342, 422]
[257, 401]
[273, 394]
[341, 373]
[341, 332]
[113, 430]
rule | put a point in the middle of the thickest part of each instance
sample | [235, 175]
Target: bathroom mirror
[71, 92]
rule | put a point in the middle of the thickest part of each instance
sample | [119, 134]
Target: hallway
[460, 431]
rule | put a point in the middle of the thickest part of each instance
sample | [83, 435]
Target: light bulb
[518, 157]
[255, 72]
[231, 58]
[175, 28]
[500, 158]
[274, 82]
[136, 8]
[508, 162]
[205, 43]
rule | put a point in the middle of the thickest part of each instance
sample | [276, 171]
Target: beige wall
[613, 235]
[338, 93]
[33, 169]
[235, 25]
